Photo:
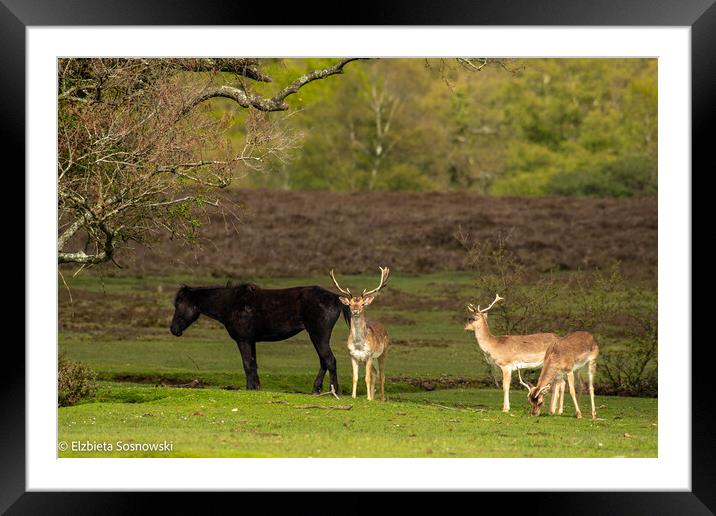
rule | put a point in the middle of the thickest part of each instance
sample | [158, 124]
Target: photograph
[313, 257]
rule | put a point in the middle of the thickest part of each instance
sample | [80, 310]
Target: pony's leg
[369, 376]
[506, 379]
[382, 376]
[248, 357]
[318, 382]
[354, 362]
[255, 366]
[592, 369]
[570, 381]
[321, 339]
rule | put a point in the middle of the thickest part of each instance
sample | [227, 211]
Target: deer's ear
[368, 300]
[345, 300]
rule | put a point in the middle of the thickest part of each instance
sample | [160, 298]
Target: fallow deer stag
[368, 340]
[508, 352]
[561, 359]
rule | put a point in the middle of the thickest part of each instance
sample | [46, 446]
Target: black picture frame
[699, 15]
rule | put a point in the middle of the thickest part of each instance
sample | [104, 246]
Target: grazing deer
[508, 352]
[368, 340]
[562, 359]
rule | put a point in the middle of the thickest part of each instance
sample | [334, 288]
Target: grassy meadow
[535, 179]
[442, 401]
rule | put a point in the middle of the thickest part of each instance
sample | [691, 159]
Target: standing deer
[562, 359]
[368, 340]
[508, 352]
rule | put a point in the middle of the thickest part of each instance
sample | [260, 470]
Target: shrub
[626, 177]
[623, 318]
[625, 323]
[633, 371]
[75, 381]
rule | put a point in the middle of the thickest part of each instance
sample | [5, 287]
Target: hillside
[283, 233]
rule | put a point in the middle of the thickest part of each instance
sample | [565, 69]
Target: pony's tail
[346, 314]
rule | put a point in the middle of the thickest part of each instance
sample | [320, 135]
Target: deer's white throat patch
[358, 347]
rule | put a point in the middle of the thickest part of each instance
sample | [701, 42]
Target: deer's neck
[485, 339]
[359, 331]
[547, 376]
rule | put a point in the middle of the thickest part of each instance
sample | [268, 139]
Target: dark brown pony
[251, 314]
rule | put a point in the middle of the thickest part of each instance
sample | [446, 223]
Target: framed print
[473, 223]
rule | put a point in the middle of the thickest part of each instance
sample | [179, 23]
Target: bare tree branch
[275, 103]
[136, 159]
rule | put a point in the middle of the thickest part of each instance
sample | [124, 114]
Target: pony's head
[185, 311]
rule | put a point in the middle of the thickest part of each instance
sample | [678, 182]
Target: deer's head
[535, 395]
[478, 316]
[358, 303]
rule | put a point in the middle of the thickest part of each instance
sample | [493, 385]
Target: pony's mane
[187, 288]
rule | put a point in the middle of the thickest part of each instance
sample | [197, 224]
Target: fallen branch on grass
[324, 407]
[332, 391]
[454, 408]
[313, 406]
[194, 384]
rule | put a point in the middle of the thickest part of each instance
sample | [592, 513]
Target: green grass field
[440, 403]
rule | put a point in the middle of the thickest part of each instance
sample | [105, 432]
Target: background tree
[142, 150]
[519, 127]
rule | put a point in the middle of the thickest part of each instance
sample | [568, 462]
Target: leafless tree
[140, 151]
[374, 145]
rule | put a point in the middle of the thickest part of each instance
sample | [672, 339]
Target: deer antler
[497, 298]
[384, 273]
[524, 384]
[342, 290]
[471, 308]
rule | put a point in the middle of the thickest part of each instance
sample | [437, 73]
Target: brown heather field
[293, 233]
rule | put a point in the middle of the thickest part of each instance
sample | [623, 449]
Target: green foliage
[634, 369]
[75, 381]
[551, 127]
[625, 177]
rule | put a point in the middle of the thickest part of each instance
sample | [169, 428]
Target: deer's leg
[561, 387]
[369, 376]
[382, 376]
[570, 381]
[592, 369]
[554, 399]
[506, 379]
[354, 362]
[376, 375]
